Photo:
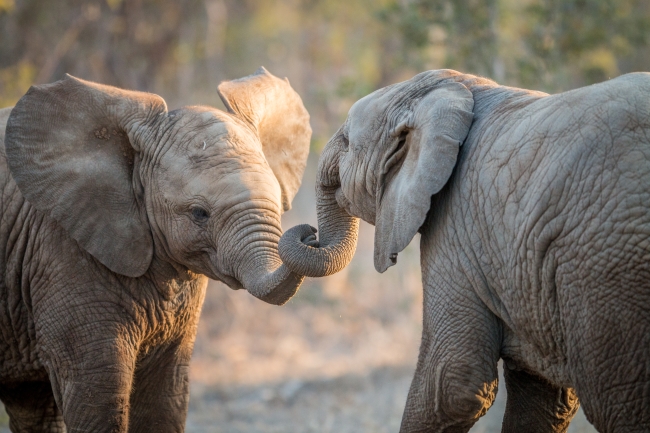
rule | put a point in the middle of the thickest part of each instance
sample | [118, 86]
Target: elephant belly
[569, 242]
[584, 270]
[522, 354]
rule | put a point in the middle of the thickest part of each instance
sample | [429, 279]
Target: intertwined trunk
[256, 263]
[268, 279]
[338, 230]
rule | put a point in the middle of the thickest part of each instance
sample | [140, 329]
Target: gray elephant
[114, 211]
[534, 212]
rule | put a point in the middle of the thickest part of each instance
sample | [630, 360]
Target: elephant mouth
[345, 204]
[342, 200]
[231, 282]
[215, 274]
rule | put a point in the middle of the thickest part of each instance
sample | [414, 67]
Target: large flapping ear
[275, 112]
[71, 147]
[433, 134]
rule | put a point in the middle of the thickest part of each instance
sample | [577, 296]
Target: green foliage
[333, 52]
[547, 44]
[6, 5]
[586, 39]
[14, 82]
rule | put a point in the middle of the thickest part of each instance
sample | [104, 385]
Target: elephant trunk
[258, 266]
[274, 286]
[338, 230]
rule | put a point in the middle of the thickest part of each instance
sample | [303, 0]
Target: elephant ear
[272, 109]
[71, 147]
[431, 137]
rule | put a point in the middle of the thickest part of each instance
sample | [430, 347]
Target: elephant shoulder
[4, 116]
[614, 106]
[625, 103]
[629, 93]
[635, 82]
[635, 91]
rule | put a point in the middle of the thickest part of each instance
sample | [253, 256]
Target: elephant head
[397, 148]
[197, 187]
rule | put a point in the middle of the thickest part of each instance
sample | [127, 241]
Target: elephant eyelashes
[199, 214]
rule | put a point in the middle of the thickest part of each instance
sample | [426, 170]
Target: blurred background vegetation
[252, 359]
[333, 51]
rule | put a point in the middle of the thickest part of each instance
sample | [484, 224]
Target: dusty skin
[115, 211]
[535, 223]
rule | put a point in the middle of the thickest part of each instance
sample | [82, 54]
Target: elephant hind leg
[31, 408]
[536, 406]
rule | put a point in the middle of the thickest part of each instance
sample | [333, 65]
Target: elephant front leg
[161, 391]
[31, 408]
[95, 399]
[91, 372]
[536, 406]
[456, 378]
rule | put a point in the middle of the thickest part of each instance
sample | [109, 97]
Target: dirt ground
[339, 357]
[370, 403]
[354, 403]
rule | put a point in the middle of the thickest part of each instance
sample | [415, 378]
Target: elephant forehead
[371, 117]
[217, 160]
[223, 188]
[367, 111]
[193, 125]
[204, 138]
[247, 183]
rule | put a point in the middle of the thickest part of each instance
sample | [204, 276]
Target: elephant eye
[345, 143]
[397, 153]
[199, 214]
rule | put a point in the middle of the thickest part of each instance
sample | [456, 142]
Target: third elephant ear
[433, 132]
[275, 112]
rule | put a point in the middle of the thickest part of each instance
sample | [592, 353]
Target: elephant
[534, 216]
[115, 212]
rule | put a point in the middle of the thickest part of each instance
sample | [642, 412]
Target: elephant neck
[168, 277]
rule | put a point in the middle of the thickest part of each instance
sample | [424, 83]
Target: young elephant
[534, 212]
[114, 211]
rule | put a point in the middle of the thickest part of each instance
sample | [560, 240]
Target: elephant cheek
[343, 201]
[351, 209]
[214, 272]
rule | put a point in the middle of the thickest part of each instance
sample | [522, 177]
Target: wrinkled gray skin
[114, 213]
[534, 212]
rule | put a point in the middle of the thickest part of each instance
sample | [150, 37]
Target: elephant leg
[96, 399]
[456, 377]
[161, 391]
[31, 408]
[91, 371]
[536, 406]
